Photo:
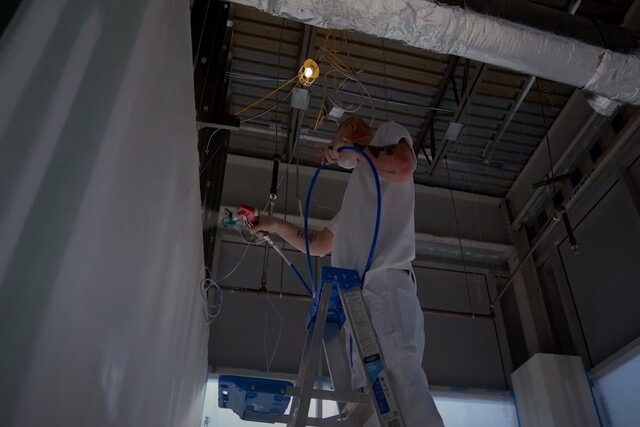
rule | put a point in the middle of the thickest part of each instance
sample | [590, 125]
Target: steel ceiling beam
[211, 38]
[308, 34]
[490, 148]
[435, 103]
[465, 102]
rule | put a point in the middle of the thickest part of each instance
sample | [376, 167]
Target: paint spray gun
[249, 216]
[244, 214]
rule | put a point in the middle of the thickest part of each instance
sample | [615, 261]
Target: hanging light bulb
[309, 72]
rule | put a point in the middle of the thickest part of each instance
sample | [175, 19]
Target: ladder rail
[310, 357]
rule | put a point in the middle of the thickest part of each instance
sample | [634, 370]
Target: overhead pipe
[513, 34]
[299, 297]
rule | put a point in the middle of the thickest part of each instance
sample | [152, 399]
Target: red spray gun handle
[248, 215]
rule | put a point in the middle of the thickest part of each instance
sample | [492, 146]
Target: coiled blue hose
[378, 212]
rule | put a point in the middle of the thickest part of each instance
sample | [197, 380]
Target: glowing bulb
[308, 72]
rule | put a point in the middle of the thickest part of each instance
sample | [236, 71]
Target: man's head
[354, 129]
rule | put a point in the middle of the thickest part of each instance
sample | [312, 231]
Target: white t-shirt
[354, 225]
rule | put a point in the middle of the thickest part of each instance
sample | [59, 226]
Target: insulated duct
[513, 34]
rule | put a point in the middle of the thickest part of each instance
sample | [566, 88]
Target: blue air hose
[378, 212]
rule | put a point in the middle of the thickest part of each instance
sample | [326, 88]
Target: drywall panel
[245, 263]
[101, 253]
[604, 276]
[462, 352]
[254, 331]
[459, 351]
[449, 290]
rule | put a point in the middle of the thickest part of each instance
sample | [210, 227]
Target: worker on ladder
[389, 288]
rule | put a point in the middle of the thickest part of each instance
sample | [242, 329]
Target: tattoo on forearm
[312, 236]
[375, 151]
[387, 171]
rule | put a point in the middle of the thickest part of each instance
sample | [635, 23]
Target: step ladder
[340, 301]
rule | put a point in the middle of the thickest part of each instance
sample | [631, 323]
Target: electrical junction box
[300, 98]
[454, 130]
[336, 113]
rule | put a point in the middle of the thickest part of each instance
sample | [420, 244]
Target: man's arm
[394, 162]
[320, 242]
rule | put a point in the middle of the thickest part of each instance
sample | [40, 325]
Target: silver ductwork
[599, 59]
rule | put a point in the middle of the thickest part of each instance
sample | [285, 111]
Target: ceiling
[403, 83]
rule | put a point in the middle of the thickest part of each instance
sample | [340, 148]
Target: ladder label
[361, 325]
[374, 369]
[369, 350]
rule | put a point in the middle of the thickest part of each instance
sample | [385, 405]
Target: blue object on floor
[253, 399]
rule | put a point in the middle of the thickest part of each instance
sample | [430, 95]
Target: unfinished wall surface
[100, 230]
[251, 330]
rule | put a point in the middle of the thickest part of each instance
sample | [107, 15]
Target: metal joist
[465, 102]
[211, 37]
[427, 128]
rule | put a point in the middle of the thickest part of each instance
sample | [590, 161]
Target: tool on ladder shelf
[337, 300]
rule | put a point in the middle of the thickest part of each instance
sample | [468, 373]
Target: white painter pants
[394, 309]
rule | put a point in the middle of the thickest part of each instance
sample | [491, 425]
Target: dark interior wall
[599, 286]
[458, 352]
[604, 275]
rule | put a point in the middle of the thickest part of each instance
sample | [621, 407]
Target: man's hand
[331, 154]
[266, 224]
[320, 242]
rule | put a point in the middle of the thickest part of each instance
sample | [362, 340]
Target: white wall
[100, 229]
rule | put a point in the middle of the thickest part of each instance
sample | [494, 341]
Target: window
[458, 409]
[616, 383]
[476, 408]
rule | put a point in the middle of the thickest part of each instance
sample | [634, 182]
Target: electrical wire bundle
[331, 88]
[210, 288]
[330, 57]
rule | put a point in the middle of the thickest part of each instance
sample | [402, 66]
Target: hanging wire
[209, 282]
[206, 150]
[455, 215]
[257, 116]
[204, 25]
[269, 360]
[274, 91]
[546, 129]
